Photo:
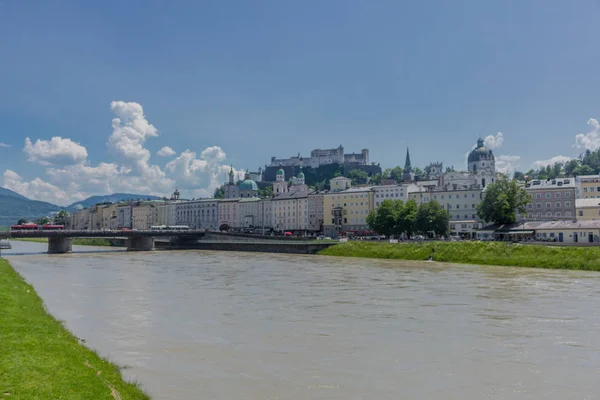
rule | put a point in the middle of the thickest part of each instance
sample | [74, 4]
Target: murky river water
[211, 325]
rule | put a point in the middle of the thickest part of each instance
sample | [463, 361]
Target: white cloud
[130, 131]
[200, 176]
[2, 144]
[55, 151]
[494, 142]
[165, 152]
[556, 159]
[37, 189]
[591, 139]
[507, 164]
[70, 176]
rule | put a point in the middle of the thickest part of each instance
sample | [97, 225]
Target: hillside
[10, 193]
[12, 208]
[109, 198]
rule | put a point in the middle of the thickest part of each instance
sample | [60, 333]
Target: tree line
[587, 163]
[399, 218]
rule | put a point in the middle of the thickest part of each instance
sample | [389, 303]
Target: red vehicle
[50, 227]
[25, 227]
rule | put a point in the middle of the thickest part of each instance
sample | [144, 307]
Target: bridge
[61, 241]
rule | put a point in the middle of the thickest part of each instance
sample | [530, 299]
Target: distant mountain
[13, 207]
[10, 193]
[109, 198]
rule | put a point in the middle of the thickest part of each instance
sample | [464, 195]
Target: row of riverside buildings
[343, 209]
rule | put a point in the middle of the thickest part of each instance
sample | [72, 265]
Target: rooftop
[580, 203]
[550, 183]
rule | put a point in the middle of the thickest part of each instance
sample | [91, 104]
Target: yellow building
[587, 209]
[588, 186]
[345, 212]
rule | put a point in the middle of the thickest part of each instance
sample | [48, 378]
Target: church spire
[407, 167]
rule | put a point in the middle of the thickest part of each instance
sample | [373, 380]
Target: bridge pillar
[140, 243]
[59, 245]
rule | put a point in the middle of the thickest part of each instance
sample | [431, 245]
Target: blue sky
[274, 78]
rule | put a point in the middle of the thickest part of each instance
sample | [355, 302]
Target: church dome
[480, 153]
[248, 184]
[301, 175]
[280, 171]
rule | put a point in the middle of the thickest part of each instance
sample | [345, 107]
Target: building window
[548, 205]
[529, 205]
[558, 215]
[591, 190]
[538, 195]
[548, 195]
[557, 205]
[530, 215]
[539, 205]
[549, 214]
[567, 204]
[567, 195]
[585, 189]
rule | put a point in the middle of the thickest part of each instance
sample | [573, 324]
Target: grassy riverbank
[40, 359]
[76, 241]
[485, 253]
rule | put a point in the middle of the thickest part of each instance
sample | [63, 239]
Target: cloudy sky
[144, 96]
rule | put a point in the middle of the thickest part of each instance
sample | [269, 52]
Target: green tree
[419, 174]
[42, 221]
[22, 221]
[432, 217]
[583, 170]
[383, 219]
[407, 213]
[502, 200]
[519, 176]
[358, 177]
[219, 193]
[267, 191]
[570, 166]
[393, 173]
[61, 218]
[376, 179]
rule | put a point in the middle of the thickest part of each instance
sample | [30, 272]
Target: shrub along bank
[486, 253]
[40, 359]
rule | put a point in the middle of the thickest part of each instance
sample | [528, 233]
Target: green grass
[76, 241]
[484, 253]
[40, 359]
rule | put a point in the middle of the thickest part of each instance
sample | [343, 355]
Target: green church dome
[480, 152]
[248, 184]
[280, 171]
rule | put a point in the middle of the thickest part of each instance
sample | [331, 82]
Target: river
[219, 325]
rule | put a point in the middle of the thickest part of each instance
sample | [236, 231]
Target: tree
[61, 218]
[22, 221]
[383, 219]
[502, 200]
[407, 213]
[42, 221]
[570, 166]
[267, 191]
[432, 217]
[583, 170]
[376, 179]
[419, 174]
[219, 193]
[358, 177]
[393, 173]
[450, 169]
[519, 176]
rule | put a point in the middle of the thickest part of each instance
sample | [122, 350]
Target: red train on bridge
[36, 227]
